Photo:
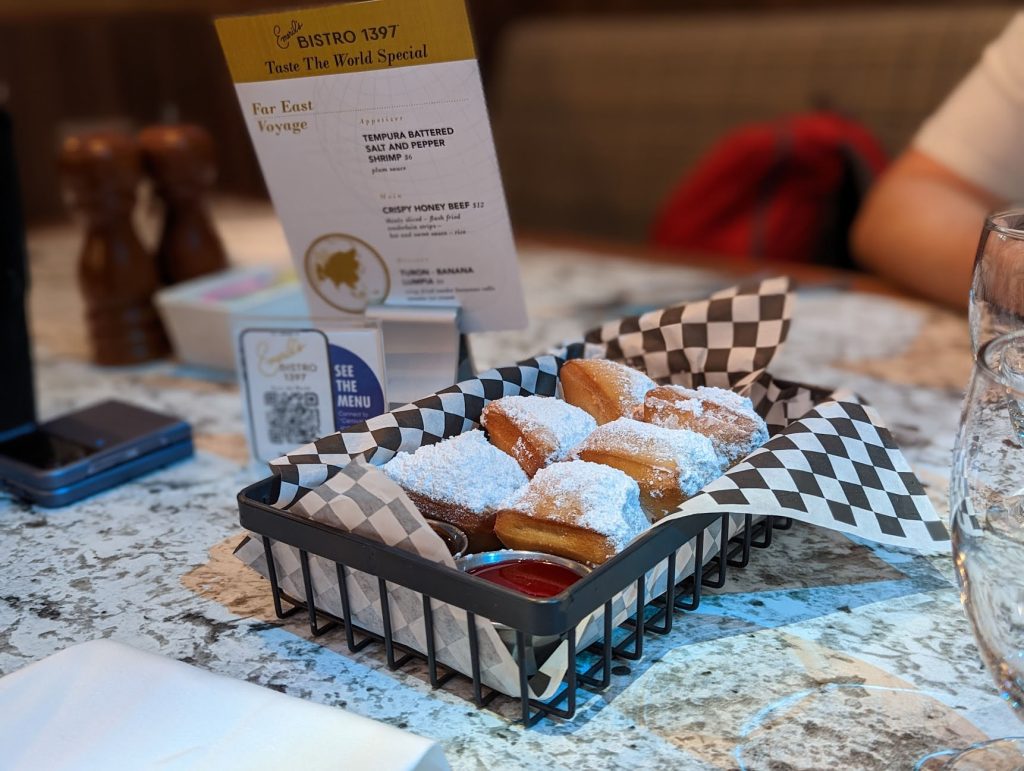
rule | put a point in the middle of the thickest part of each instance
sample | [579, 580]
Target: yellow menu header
[350, 37]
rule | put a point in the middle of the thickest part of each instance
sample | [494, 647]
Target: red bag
[782, 191]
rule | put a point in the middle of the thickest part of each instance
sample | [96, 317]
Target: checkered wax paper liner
[363, 501]
[847, 472]
[830, 462]
[722, 341]
[836, 467]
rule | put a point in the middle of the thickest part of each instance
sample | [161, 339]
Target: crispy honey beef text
[425, 207]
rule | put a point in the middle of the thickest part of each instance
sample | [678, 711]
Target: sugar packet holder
[838, 467]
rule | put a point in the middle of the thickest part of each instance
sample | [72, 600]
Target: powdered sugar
[557, 424]
[694, 406]
[726, 417]
[693, 454]
[465, 470]
[637, 383]
[598, 498]
[693, 400]
[728, 399]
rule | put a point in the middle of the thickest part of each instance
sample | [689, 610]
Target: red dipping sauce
[534, 578]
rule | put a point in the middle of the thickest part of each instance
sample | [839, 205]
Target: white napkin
[103, 705]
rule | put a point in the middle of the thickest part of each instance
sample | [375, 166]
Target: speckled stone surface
[824, 652]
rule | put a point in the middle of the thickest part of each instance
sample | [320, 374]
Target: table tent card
[299, 382]
[370, 126]
[830, 462]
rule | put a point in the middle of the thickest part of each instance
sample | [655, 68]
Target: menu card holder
[423, 351]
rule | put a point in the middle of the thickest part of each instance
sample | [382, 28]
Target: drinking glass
[997, 286]
[987, 505]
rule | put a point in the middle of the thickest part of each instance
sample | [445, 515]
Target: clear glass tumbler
[997, 286]
[987, 503]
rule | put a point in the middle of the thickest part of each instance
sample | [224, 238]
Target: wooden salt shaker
[179, 158]
[116, 275]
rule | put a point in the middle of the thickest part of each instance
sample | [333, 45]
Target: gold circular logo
[346, 272]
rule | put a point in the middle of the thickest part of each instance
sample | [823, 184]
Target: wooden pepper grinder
[101, 172]
[179, 158]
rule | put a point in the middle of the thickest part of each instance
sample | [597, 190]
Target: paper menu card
[371, 129]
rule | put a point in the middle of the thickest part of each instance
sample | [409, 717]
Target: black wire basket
[528, 618]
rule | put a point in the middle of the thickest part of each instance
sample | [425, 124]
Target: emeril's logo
[271, 362]
[284, 36]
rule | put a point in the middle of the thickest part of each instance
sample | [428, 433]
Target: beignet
[669, 465]
[725, 417]
[606, 389]
[583, 511]
[462, 480]
[536, 430]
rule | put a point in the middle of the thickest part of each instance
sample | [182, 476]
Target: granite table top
[824, 652]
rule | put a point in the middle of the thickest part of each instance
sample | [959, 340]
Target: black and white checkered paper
[363, 501]
[836, 467]
[722, 341]
[830, 462]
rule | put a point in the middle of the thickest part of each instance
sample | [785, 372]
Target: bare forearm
[920, 230]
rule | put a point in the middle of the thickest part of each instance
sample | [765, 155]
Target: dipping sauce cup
[534, 574]
[453, 538]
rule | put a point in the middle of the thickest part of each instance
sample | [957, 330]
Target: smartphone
[73, 456]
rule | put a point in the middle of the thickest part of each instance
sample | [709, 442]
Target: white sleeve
[978, 132]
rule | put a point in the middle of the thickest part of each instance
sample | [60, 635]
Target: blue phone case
[113, 433]
[103, 480]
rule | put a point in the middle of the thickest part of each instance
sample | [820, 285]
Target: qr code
[293, 417]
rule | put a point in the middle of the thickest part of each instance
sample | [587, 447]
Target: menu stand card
[370, 125]
[299, 382]
[422, 352]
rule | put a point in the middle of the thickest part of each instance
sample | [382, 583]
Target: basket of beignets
[559, 469]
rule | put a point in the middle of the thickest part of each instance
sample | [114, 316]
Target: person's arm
[920, 226]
